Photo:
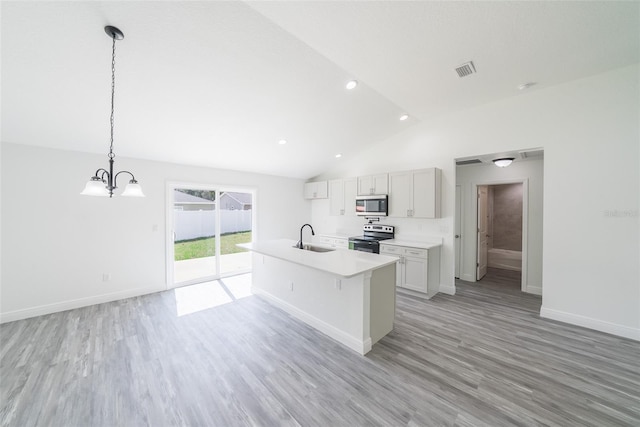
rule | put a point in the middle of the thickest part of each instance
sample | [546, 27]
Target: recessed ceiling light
[404, 117]
[352, 84]
[282, 141]
[525, 86]
[338, 155]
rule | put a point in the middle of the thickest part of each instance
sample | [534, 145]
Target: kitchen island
[347, 295]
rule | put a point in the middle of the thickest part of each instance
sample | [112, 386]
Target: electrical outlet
[338, 284]
[106, 277]
[291, 286]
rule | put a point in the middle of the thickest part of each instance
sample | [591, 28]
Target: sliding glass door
[206, 226]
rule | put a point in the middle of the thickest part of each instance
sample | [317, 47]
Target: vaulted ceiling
[220, 83]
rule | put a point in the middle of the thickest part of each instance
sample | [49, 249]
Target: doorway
[204, 226]
[500, 228]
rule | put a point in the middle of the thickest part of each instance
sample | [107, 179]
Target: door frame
[458, 225]
[525, 220]
[171, 186]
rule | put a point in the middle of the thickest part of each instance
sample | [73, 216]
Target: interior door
[483, 222]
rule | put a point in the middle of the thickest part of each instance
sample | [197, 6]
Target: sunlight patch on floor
[239, 286]
[203, 296]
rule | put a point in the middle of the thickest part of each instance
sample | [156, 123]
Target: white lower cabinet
[417, 269]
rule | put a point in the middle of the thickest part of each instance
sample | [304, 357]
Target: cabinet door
[415, 274]
[350, 192]
[400, 194]
[322, 191]
[425, 193]
[309, 190]
[365, 185]
[380, 183]
[336, 197]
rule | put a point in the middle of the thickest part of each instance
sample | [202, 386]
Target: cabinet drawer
[419, 253]
[325, 240]
[394, 250]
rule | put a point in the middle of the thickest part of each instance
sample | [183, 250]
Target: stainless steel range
[373, 234]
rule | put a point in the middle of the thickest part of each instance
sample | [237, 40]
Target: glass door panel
[235, 210]
[194, 231]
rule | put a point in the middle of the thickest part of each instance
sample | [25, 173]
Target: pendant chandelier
[104, 181]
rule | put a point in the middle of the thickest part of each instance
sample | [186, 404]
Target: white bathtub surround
[348, 295]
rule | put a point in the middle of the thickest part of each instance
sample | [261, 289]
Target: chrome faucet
[300, 245]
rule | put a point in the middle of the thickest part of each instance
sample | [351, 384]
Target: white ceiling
[219, 83]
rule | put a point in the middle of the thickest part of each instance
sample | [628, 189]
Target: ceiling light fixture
[282, 141]
[104, 181]
[352, 84]
[404, 117]
[503, 162]
[338, 155]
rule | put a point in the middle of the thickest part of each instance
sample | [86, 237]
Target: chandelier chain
[113, 90]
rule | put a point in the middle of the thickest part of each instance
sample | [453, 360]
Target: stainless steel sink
[314, 248]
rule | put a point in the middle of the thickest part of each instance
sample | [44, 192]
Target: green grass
[200, 248]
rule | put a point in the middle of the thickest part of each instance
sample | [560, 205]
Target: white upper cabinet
[400, 199]
[316, 190]
[342, 197]
[373, 184]
[415, 194]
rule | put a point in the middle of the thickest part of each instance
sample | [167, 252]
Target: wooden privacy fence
[189, 225]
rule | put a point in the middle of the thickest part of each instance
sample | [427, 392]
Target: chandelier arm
[133, 178]
[101, 176]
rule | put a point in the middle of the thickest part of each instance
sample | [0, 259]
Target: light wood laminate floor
[481, 357]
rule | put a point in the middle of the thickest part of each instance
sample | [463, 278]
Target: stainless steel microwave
[372, 205]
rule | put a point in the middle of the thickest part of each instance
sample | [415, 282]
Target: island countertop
[341, 262]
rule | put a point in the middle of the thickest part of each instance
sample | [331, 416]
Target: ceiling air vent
[466, 69]
[468, 162]
[532, 154]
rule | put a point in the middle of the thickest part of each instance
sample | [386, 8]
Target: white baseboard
[588, 322]
[41, 310]
[361, 347]
[448, 289]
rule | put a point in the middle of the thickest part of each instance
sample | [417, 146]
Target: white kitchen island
[348, 295]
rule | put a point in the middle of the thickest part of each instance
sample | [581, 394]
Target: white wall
[529, 170]
[56, 261]
[589, 130]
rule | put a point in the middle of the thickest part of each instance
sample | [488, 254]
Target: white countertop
[411, 244]
[341, 262]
